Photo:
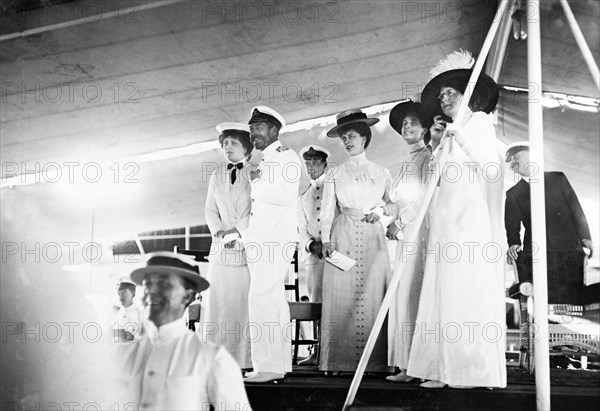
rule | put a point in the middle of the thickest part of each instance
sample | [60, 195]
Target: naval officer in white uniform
[309, 227]
[271, 241]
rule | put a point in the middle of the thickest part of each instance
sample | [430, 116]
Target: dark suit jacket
[566, 224]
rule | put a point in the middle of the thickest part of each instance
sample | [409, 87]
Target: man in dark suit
[567, 230]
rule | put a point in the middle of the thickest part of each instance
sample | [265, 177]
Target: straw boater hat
[350, 117]
[166, 262]
[515, 148]
[264, 113]
[400, 111]
[314, 151]
[456, 67]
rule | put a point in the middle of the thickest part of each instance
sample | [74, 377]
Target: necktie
[237, 166]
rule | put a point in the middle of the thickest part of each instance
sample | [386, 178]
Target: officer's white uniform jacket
[130, 319]
[309, 224]
[275, 197]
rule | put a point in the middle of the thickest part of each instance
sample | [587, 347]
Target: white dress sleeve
[305, 238]
[480, 139]
[328, 203]
[211, 210]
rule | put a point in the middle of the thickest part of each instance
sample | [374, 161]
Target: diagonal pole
[498, 50]
[583, 47]
[391, 291]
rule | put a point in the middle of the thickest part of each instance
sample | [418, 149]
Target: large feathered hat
[454, 71]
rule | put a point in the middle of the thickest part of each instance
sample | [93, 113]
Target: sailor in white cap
[227, 212]
[171, 368]
[128, 320]
[309, 225]
[270, 245]
[265, 125]
[315, 160]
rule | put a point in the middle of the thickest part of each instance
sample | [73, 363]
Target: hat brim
[137, 276]
[368, 121]
[317, 148]
[514, 150]
[399, 112]
[486, 88]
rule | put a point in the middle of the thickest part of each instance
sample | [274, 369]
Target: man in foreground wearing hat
[309, 227]
[129, 324]
[567, 230]
[271, 241]
[171, 368]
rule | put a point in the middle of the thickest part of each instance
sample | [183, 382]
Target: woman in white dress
[460, 335]
[351, 299]
[225, 312]
[412, 122]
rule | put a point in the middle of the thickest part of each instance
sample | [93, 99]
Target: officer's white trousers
[269, 312]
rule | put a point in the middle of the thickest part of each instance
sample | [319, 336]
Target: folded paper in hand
[227, 238]
[341, 261]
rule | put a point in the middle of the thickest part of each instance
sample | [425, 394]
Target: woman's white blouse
[358, 184]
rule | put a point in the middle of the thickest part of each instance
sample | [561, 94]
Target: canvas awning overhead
[103, 90]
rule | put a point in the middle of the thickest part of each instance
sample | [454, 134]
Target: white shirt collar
[319, 181]
[526, 179]
[358, 159]
[166, 332]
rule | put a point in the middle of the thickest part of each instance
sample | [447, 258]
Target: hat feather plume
[461, 59]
